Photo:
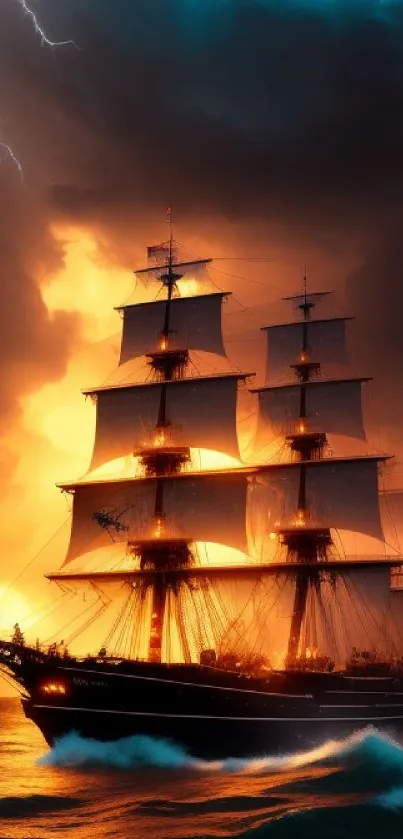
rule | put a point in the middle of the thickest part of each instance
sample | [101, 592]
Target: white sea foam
[367, 746]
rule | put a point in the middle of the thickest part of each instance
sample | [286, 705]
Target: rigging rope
[34, 558]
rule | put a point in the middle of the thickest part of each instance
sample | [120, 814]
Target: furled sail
[333, 406]
[200, 507]
[194, 324]
[326, 343]
[201, 412]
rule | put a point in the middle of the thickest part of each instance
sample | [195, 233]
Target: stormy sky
[272, 128]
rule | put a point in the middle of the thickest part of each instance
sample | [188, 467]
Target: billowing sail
[194, 324]
[331, 406]
[326, 343]
[199, 507]
[194, 268]
[339, 494]
[391, 503]
[200, 412]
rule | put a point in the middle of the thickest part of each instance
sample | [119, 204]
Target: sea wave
[367, 750]
[347, 788]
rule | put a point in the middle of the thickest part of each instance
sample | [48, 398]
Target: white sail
[332, 406]
[194, 324]
[194, 268]
[202, 413]
[326, 343]
[391, 503]
[340, 494]
[199, 507]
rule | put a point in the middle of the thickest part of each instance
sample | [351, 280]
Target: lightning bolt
[45, 40]
[5, 149]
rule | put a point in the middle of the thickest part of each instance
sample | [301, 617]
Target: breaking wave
[73, 751]
[379, 757]
[348, 788]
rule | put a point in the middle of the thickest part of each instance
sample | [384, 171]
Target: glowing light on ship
[299, 521]
[159, 439]
[159, 527]
[53, 688]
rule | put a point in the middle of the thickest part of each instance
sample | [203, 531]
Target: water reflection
[329, 791]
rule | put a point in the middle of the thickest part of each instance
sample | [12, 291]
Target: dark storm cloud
[274, 109]
[34, 346]
[287, 112]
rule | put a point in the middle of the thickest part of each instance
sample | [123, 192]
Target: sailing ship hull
[214, 714]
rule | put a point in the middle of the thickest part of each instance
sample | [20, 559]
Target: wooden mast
[305, 545]
[161, 551]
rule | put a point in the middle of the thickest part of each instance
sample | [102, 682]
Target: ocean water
[141, 788]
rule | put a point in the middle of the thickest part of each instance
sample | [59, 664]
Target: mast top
[314, 294]
[306, 301]
[174, 264]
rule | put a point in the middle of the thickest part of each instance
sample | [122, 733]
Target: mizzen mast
[304, 544]
[301, 413]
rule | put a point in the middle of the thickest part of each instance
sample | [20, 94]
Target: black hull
[208, 739]
[213, 713]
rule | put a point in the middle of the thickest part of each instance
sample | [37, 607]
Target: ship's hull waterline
[214, 714]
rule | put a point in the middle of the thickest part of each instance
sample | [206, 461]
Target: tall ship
[239, 605]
